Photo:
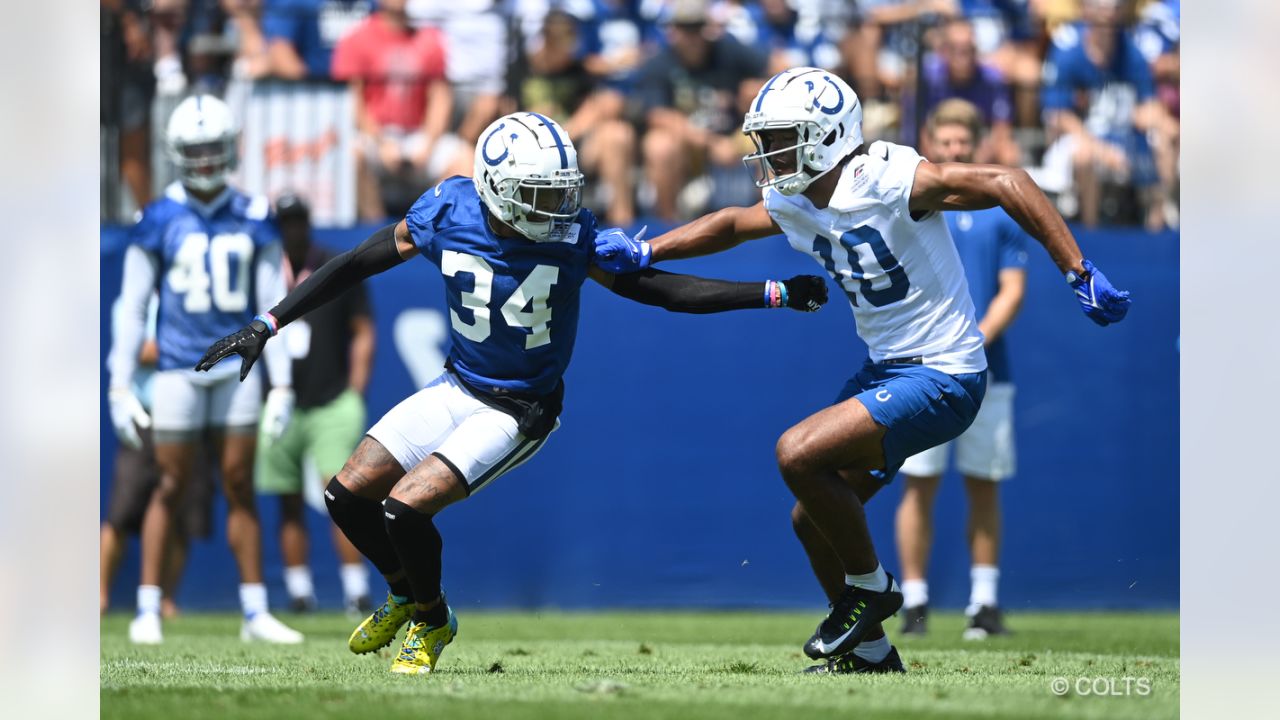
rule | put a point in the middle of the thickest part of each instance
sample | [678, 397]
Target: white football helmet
[526, 171]
[201, 139]
[827, 119]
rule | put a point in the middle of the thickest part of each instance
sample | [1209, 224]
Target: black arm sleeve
[374, 255]
[687, 293]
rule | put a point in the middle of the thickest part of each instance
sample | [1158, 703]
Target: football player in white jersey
[869, 213]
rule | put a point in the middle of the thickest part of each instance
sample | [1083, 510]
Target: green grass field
[643, 665]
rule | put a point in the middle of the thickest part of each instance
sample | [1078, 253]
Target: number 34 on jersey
[532, 293]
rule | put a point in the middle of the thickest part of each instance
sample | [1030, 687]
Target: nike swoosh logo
[825, 648]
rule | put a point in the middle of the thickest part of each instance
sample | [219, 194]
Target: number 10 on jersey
[848, 270]
[533, 292]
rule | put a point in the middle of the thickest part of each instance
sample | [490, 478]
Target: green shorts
[327, 434]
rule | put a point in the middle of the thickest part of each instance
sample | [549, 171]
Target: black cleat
[301, 605]
[855, 612]
[915, 620]
[851, 663]
[984, 623]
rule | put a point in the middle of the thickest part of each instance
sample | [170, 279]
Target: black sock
[418, 544]
[435, 617]
[360, 519]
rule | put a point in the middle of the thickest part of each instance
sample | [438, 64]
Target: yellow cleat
[422, 647]
[380, 628]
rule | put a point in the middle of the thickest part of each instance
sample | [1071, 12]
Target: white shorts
[184, 402]
[983, 451]
[479, 442]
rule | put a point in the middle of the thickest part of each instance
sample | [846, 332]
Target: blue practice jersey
[513, 303]
[988, 241]
[204, 267]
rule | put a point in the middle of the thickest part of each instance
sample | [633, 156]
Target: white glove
[276, 412]
[127, 415]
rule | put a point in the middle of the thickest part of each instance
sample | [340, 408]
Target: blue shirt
[1104, 97]
[313, 27]
[988, 241]
[204, 258]
[513, 303]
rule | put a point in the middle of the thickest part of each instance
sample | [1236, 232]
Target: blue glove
[1098, 298]
[618, 253]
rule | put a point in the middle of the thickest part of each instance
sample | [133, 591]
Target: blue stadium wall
[660, 488]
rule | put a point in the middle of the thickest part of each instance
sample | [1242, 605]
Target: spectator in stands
[693, 91]
[955, 72]
[1099, 100]
[243, 30]
[302, 34]
[168, 20]
[879, 51]
[881, 42]
[792, 31]
[128, 85]
[332, 353]
[403, 103]
[559, 86]
[1007, 35]
[1158, 36]
[613, 50]
[475, 35]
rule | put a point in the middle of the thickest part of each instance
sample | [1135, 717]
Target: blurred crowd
[1083, 93]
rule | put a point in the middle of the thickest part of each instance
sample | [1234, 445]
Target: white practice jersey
[903, 277]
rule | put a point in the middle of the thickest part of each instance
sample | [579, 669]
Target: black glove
[247, 342]
[806, 293]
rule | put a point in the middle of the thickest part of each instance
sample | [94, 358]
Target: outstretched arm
[690, 294]
[382, 251]
[713, 233]
[963, 186]
[617, 252]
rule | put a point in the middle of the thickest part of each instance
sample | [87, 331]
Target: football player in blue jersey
[213, 255]
[514, 247]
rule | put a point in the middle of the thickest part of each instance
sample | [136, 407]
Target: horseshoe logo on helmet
[484, 147]
[839, 98]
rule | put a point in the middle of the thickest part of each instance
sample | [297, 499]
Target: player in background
[870, 215]
[993, 250]
[332, 353]
[514, 247]
[213, 255]
[135, 478]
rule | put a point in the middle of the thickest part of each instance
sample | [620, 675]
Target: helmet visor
[557, 198]
[205, 162]
[778, 157]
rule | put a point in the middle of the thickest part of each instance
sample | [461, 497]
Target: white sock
[355, 580]
[148, 599]
[253, 598]
[984, 579]
[297, 580]
[876, 581]
[915, 593]
[873, 650]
